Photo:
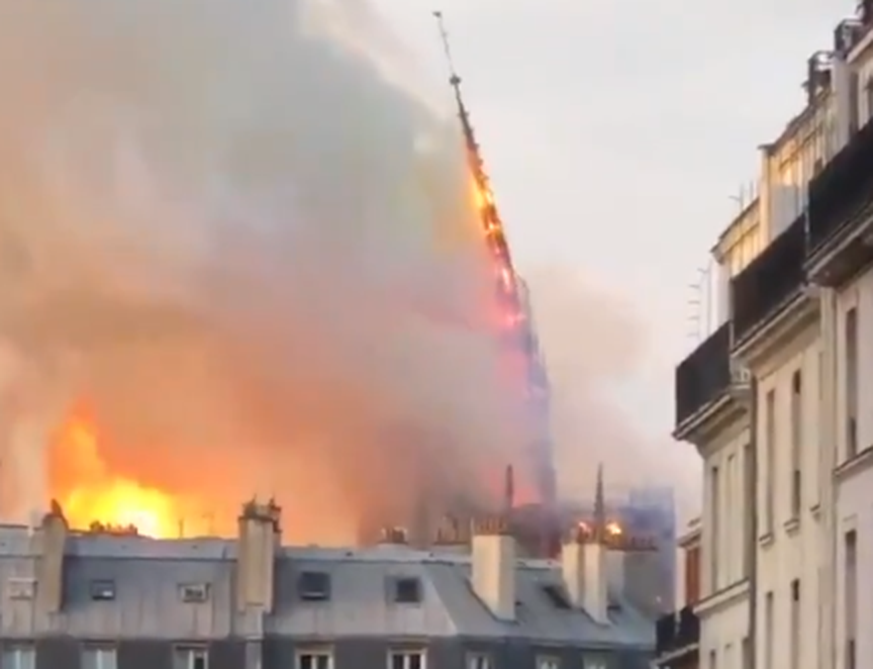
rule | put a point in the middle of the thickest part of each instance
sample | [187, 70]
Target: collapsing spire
[516, 326]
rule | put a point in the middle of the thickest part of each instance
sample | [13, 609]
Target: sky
[618, 136]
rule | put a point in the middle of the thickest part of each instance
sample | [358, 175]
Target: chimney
[51, 538]
[450, 536]
[583, 565]
[616, 568]
[494, 565]
[394, 536]
[260, 536]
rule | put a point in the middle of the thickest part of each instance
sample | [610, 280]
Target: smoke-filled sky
[617, 134]
[244, 248]
[241, 236]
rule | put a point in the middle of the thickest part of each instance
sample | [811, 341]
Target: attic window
[556, 596]
[407, 590]
[193, 593]
[102, 590]
[314, 586]
[21, 588]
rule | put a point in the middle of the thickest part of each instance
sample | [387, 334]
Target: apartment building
[713, 404]
[838, 263]
[677, 634]
[116, 600]
[770, 393]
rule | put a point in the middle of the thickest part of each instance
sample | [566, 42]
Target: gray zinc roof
[147, 574]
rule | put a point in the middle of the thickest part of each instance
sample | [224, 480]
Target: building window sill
[815, 510]
[766, 539]
[792, 525]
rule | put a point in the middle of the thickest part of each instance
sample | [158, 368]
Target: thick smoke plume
[236, 240]
[595, 343]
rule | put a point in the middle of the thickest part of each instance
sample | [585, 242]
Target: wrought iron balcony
[843, 190]
[677, 632]
[703, 375]
[770, 280]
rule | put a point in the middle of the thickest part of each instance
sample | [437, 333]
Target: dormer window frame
[312, 593]
[194, 593]
[400, 590]
[102, 589]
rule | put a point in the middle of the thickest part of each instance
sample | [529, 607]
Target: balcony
[704, 375]
[676, 635]
[842, 191]
[770, 281]
[841, 213]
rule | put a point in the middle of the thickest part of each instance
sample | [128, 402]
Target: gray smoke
[595, 342]
[235, 235]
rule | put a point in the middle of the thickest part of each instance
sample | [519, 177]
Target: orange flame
[96, 496]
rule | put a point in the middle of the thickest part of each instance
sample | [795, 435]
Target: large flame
[95, 497]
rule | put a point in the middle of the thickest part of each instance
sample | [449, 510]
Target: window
[594, 662]
[99, 657]
[796, 442]
[20, 588]
[406, 659]
[768, 631]
[190, 658]
[407, 590]
[548, 662]
[851, 335]
[794, 646]
[715, 540]
[194, 592]
[850, 593]
[770, 461]
[314, 586]
[868, 90]
[315, 659]
[19, 657]
[713, 659]
[102, 590]
[479, 661]
[729, 513]
[748, 504]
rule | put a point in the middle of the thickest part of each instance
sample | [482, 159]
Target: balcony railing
[677, 631]
[769, 280]
[842, 189]
[703, 375]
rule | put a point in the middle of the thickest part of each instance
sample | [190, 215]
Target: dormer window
[407, 590]
[20, 587]
[314, 586]
[194, 593]
[102, 590]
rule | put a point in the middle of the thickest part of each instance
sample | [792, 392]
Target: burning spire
[517, 329]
